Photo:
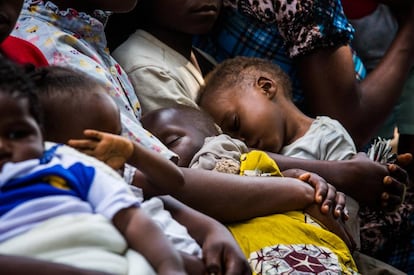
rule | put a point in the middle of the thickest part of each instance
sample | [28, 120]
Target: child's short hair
[60, 81]
[239, 70]
[16, 82]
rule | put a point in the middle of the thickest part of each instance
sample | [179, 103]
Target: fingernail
[387, 180]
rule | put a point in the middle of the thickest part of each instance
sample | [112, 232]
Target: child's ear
[267, 86]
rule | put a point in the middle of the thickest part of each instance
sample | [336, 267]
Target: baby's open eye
[18, 134]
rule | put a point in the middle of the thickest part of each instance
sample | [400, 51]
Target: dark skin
[149, 240]
[21, 139]
[405, 141]
[91, 5]
[176, 128]
[18, 265]
[370, 100]
[270, 127]
[223, 253]
[10, 11]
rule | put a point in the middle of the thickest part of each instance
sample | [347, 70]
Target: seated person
[158, 41]
[85, 118]
[192, 135]
[64, 92]
[157, 54]
[241, 230]
[71, 34]
[67, 199]
[276, 125]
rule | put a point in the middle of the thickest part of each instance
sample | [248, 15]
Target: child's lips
[206, 8]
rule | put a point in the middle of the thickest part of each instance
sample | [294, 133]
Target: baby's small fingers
[93, 134]
[82, 143]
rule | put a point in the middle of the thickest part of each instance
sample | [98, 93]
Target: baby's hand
[114, 150]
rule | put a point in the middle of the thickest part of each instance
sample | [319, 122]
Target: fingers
[318, 183]
[93, 134]
[223, 258]
[340, 211]
[329, 200]
[404, 159]
[82, 144]
[305, 177]
[212, 259]
[398, 173]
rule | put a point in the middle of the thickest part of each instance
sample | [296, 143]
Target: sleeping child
[55, 207]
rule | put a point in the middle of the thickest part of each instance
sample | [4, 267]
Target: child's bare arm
[116, 150]
[144, 236]
[221, 253]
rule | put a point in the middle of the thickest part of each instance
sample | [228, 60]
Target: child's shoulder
[68, 156]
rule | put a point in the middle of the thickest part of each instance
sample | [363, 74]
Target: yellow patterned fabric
[288, 244]
[258, 163]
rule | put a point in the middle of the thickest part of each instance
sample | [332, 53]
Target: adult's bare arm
[361, 178]
[231, 198]
[331, 88]
[18, 265]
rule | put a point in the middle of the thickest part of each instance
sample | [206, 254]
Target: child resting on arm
[192, 134]
[249, 99]
[189, 142]
[47, 196]
[70, 109]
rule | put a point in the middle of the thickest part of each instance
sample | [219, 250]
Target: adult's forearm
[332, 89]
[18, 265]
[231, 198]
[359, 177]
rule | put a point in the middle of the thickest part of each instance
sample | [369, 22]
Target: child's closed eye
[233, 124]
[172, 140]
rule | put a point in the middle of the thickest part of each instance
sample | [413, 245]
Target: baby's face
[20, 135]
[174, 132]
[249, 116]
[9, 12]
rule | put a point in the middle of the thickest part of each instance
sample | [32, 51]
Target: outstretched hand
[114, 150]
